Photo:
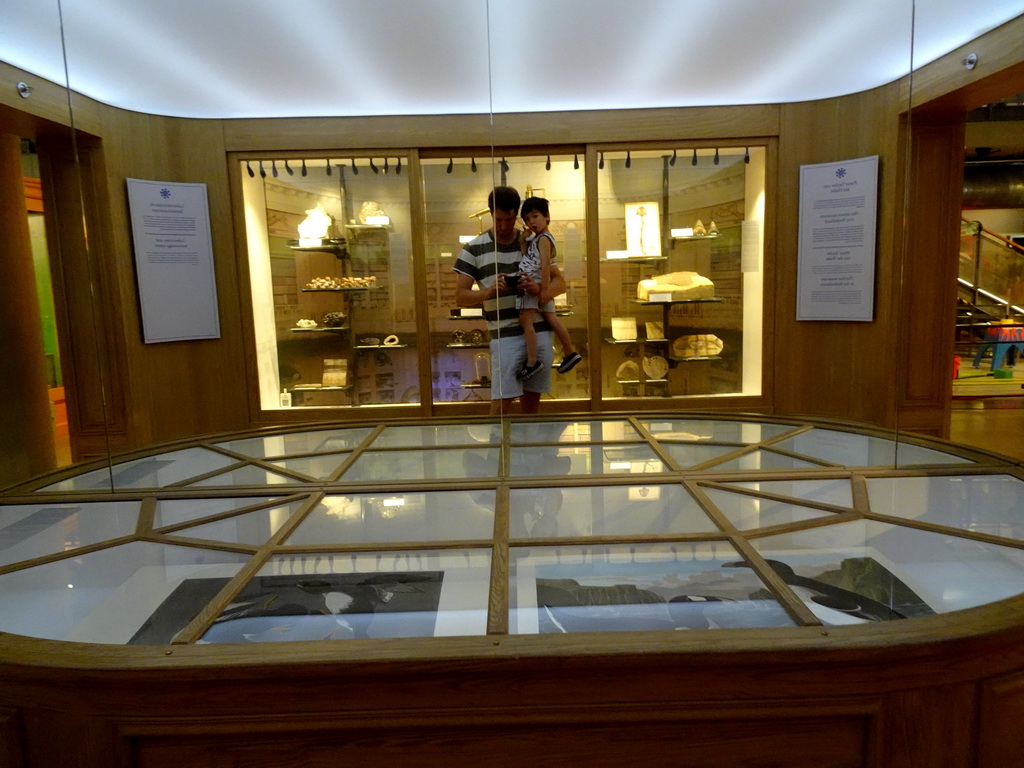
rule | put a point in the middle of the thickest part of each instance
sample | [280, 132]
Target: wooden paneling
[447, 131]
[1000, 736]
[926, 299]
[11, 754]
[836, 369]
[174, 389]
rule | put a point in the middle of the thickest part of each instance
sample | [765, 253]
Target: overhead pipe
[993, 186]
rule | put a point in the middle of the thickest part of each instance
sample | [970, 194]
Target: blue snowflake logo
[165, 193]
[840, 173]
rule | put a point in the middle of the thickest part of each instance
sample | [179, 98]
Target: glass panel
[768, 460]
[622, 510]
[330, 256]
[687, 456]
[456, 191]
[536, 461]
[989, 504]
[835, 492]
[150, 472]
[461, 434]
[750, 512]
[114, 595]
[368, 518]
[337, 597]
[33, 530]
[868, 571]
[626, 588]
[321, 441]
[176, 511]
[680, 270]
[852, 450]
[573, 431]
[317, 467]
[247, 475]
[434, 464]
[253, 528]
[741, 432]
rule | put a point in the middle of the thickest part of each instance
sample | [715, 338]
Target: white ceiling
[292, 58]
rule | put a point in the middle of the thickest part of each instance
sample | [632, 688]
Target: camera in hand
[512, 281]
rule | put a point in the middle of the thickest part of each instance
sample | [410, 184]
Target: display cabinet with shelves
[680, 295]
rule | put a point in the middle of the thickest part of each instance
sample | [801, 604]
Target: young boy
[538, 256]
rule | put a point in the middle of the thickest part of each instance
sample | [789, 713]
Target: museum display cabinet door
[680, 234]
[661, 247]
[331, 278]
[455, 191]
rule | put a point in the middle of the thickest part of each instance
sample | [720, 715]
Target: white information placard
[836, 256]
[174, 260]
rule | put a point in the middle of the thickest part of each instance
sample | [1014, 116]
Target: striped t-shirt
[483, 259]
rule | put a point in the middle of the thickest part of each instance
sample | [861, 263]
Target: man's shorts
[508, 355]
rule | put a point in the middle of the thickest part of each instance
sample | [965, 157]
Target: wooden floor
[989, 412]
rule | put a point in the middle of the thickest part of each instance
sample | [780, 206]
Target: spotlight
[252, 173]
[273, 168]
[355, 168]
[629, 160]
[263, 172]
[451, 166]
[693, 161]
[304, 171]
[716, 156]
[673, 160]
[288, 169]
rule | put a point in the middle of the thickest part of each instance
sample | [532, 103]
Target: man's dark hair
[503, 199]
[531, 204]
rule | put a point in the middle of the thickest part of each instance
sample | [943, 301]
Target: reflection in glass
[254, 528]
[150, 472]
[868, 571]
[434, 464]
[542, 461]
[626, 588]
[389, 517]
[687, 455]
[739, 432]
[767, 460]
[34, 530]
[835, 492]
[316, 467]
[621, 510]
[109, 596]
[174, 511]
[455, 190]
[751, 512]
[680, 271]
[412, 437]
[573, 431]
[320, 441]
[246, 475]
[852, 450]
[340, 597]
[989, 504]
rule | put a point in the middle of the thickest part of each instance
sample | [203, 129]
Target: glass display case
[353, 289]
[456, 192]
[329, 254]
[680, 254]
[540, 526]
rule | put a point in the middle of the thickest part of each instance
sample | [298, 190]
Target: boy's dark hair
[531, 204]
[503, 199]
